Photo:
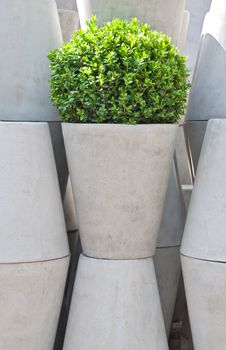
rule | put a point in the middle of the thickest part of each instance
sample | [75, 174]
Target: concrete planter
[121, 185]
[34, 252]
[204, 235]
[165, 16]
[204, 243]
[69, 22]
[30, 301]
[207, 98]
[205, 283]
[115, 306]
[29, 30]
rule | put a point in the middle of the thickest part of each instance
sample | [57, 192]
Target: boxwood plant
[122, 72]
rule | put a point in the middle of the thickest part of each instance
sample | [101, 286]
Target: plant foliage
[122, 72]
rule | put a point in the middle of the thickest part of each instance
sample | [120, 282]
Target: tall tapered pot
[34, 252]
[204, 243]
[121, 185]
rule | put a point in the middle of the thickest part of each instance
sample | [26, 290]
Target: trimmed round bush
[122, 72]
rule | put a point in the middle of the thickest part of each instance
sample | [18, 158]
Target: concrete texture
[69, 209]
[204, 234]
[121, 185]
[69, 22]
[115, 306]
[163, 15]
[30, 302]
[205, 285]
[197, 10]
[182, 36]
[84, 12]
[29, 30]
[66, 4]
[207, 98]
[173, 217]
[168, 270]
[31, 217]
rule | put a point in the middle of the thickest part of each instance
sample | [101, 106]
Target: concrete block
[168, 270]
[29, 30]
[205, 285]
[69, 22]
[121, 185]
[162, 15]
[32, 223]
[30, 301]
[115, 305]
[204, 234]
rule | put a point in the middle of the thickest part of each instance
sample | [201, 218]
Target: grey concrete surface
[182, 36]
[207, 98]
[205, 285]
[163, 15]
[67, 4]
[29, 29]
[197, 10]
[30, 301]
[168, 270]
[115, 306]
[204, 234]
[121, 185]
[173, 217]
[69, 22]
[31, 217]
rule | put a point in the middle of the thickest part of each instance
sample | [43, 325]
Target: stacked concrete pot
[204, 244]
[207, 98]
[34, 253]
[29, 30]
[172, 19]
[119, 194]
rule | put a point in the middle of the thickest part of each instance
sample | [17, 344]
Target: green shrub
[122, 72]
